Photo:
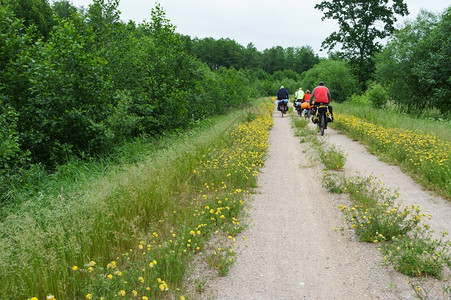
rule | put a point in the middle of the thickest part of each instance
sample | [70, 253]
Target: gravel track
[292, 250]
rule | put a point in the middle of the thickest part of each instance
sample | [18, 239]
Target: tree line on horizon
[415, 58]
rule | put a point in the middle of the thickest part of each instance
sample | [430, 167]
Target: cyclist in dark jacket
[282, 95]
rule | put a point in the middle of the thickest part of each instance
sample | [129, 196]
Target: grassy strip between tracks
[404, 238]
[131, 232]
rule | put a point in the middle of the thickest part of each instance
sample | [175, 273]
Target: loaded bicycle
[282, 106]
[322, 115]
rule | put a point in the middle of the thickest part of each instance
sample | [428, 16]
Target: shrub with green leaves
[377, 95]
[9, 139]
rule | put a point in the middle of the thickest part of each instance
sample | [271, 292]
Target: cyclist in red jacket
[320, 94]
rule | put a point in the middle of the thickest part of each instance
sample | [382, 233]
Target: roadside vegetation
[406, 241]
[132, 231]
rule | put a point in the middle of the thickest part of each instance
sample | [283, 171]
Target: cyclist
[321, 95]
[306, 98]
[300, 95]
[282, 97]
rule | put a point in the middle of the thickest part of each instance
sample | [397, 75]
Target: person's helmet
[321, 83]
[281, 86]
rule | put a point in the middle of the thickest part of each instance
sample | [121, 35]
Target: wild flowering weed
[418, 254]
[376, 214]
[333, 157]
[405, 236]
[422, 153]
[221, 258]
[334, 182]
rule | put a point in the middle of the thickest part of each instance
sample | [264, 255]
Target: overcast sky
[265, 23]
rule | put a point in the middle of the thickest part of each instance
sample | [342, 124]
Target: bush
[358, 99]
[377, 95]
[336, 76]
[10, 155]
[415, 59]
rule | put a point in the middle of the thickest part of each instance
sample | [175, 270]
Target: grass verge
[131, 230]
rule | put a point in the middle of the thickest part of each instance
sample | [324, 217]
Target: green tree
[304, 59]
[14, 40]
[169, 74]
[9, 138]
[33, 12]
[60, 95]
[251, 57]
[336, 76]
[361, 25]
[274, 59]
[414, 65]
[102, 16]
[230, 53]
[64, 9]
[434, 70]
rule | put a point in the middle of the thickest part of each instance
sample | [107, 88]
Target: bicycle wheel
[322, 123]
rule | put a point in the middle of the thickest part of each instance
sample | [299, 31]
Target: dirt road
[293, 251]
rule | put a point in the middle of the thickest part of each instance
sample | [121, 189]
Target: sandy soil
[293, 251]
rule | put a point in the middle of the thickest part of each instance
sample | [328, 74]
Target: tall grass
[101, 211]
[427, 121]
